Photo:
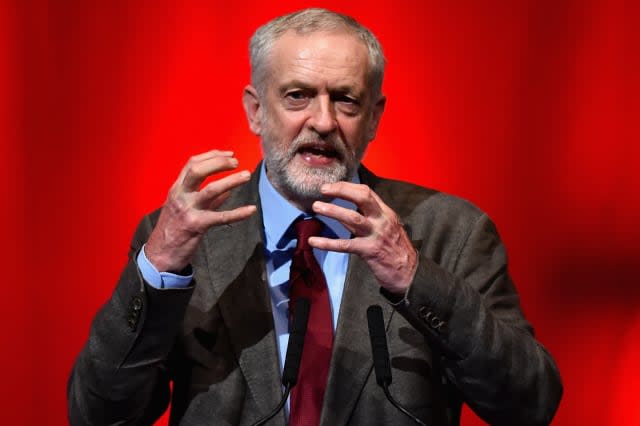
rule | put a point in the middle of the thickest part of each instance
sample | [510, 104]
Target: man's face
[316, 112]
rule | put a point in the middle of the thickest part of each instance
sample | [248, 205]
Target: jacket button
[136, 303]
[435, 322]
[424, 313]
[431, 319]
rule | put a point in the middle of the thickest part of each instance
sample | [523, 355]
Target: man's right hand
[189, 212]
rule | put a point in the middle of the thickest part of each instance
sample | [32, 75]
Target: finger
[213, 218]
[212, 190]
[351, 219]
[201, 157]
[383, 206]
[218, 200]
[360, 195]
[195, 172]
[211, 154]
[354, 245]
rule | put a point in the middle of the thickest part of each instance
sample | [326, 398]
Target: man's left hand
[378, 235]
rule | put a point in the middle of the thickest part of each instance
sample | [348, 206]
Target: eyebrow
[297, 84]
[344, 89]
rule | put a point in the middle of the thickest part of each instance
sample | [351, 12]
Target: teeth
[320, 150]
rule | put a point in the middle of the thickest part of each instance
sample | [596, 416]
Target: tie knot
[306, 228]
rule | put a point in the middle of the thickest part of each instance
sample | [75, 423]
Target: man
[206, 297]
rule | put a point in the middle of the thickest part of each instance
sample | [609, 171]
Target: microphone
[380, 351]
[296, 343]
[294, 354]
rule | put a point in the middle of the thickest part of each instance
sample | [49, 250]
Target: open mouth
[318, 154]
[319, 151]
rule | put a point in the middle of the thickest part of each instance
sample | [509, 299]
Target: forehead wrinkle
[320, 61]
[320, 74]
[328, 56]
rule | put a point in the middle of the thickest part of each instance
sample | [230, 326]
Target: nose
[323, 116]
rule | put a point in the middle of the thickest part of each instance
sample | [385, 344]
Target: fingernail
[234, 162]
[324, 188]
[245, 174]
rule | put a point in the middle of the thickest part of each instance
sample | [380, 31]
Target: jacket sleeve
[472, 315]
[120, 376]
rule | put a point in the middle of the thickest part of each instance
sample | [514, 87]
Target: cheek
[291, 126]
[354, 132]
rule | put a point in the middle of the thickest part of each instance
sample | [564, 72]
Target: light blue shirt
[277, 216]
[280, 241]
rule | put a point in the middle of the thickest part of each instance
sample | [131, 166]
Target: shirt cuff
[161, 279]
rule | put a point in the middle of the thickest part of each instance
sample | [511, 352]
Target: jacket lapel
[236, 265]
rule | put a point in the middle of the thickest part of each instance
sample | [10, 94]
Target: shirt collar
[278, 214]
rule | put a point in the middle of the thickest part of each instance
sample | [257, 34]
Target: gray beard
[301, 185]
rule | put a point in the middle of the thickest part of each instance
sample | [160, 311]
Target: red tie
[307, 280]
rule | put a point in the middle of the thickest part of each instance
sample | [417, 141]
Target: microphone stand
[275, 411]
[381, 363]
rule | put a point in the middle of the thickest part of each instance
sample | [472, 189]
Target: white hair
[309, 21]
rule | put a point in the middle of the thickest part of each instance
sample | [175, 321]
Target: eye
[347, 104]
[346, 99]
[296, 96]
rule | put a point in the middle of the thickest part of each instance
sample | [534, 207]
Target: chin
[300, 182]
[307, 183]
[302, 185]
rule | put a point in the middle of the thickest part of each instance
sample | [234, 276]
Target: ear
[376, 114]
[251, 103]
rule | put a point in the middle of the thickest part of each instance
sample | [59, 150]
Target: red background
[527, 108]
